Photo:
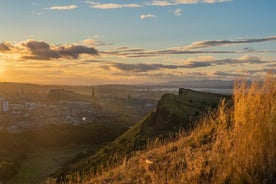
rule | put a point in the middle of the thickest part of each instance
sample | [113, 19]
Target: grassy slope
[232, 145]
[173, 112]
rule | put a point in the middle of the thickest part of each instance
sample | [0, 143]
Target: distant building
[4, 105]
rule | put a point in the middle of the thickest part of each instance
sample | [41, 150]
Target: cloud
[257, 74]
[95, 61]
[105, 6]
[214, 43]
[180, 2]
[215, 1]
[160, 3]
[4, 47]
[194, 48]
[152, 53]
[91, 42]
[41, 50]
[140, 67]
[147, 16]
[130, 52]
[73, 51]
[69, 7]
[227, 74]
[186, 1]
[271, 65]
[113, 5]
[178, 12]
[250, 59]
[200, 62]
[238, 61]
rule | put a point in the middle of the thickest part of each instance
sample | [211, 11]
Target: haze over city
[101, 42]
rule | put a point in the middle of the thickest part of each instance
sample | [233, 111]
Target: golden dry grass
[235, 144]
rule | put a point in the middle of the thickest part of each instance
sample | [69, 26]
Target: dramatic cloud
[214, 43]
[112, 5]
[40, 50]
[147, 16]
[73, 51]
[178, 12]
[69, 7]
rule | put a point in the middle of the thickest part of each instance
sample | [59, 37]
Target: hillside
[173, 112]
[234, 144]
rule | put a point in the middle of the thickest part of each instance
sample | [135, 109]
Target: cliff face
[176, 112]
[171, 113]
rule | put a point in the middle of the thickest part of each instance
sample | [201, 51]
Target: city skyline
[79, 42]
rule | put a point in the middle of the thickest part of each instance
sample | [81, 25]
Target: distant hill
[173, 113]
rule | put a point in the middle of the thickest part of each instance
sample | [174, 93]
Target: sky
[79, 42]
